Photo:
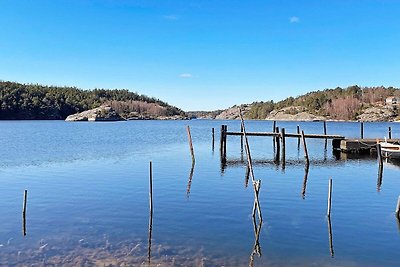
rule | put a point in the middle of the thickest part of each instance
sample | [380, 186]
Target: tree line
[34, 101]
[338, 103]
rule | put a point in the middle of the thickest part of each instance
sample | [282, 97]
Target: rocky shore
[107, 113]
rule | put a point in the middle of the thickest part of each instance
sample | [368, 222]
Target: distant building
[392, 100]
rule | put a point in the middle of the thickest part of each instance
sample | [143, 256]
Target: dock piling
[305, 148]
[362, 130]
[298, 139]
[390, 132]
[283, 147]
[277, 141]
[24, 212]
[324, 127]
[213, 137]
[151, 210]
[190, 143]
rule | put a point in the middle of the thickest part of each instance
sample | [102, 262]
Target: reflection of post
[151, 211]
[330, 236]
[303, 192]
[24, 213]
[380, 168]
[246, 179]
[190, 180]
[256, 246]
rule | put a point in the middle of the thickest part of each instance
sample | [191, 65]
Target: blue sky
[202, 55]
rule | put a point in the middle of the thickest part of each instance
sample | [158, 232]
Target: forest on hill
[34, 101]
[339, 103]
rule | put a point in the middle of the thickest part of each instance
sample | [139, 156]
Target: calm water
[88, 197]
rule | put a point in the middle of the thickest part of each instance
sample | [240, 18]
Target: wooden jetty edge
[339, 142]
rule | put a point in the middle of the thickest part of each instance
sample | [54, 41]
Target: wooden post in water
[213, 138]
[362, 130]
[305, 148]
[24, 212]
[324, 127]
[221, 145]
[298, 139]
[241, 138]
[190, 143]
[390, 132]
[277, 141]
[151, 210]
[273, 138]
[328, 212]
[398, 208]
[225, 130]
[283, 147]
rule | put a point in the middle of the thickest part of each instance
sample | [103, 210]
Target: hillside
[352, 103]
[32, 101]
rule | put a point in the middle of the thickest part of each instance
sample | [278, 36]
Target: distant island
[353, 103]
[38, 102]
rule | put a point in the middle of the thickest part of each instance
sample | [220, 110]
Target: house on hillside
[392, 101]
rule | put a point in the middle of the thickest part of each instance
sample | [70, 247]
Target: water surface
[88, 197]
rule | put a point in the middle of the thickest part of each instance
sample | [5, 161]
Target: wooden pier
[360, 145]
[339, 142]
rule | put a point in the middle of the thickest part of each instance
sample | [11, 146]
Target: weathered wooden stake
[225, 130]
[24, 212]
[151, 210]
[241, 138]
[328, 213]
[398, 208]
[362, 130]
[277, 141]
[283, 147]
[305, 148]
[324, 127]
[213, 139]
[273, 126]
[298, 139]
[390, 132]
[190, 143]
[221, 144]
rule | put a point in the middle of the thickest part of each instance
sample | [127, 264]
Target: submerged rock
[102, 113]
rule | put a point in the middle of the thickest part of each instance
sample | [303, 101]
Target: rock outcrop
[293, 114]
[231, 113]
[102, 113]
[378, 113]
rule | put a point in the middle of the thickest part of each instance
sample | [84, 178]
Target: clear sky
[202, 55]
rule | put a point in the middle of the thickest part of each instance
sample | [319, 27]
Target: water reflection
[190, 180]
[303, 191]
[256, 247]
[330, 236]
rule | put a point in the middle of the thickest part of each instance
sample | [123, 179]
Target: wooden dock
[359, 145]
[339, 142]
